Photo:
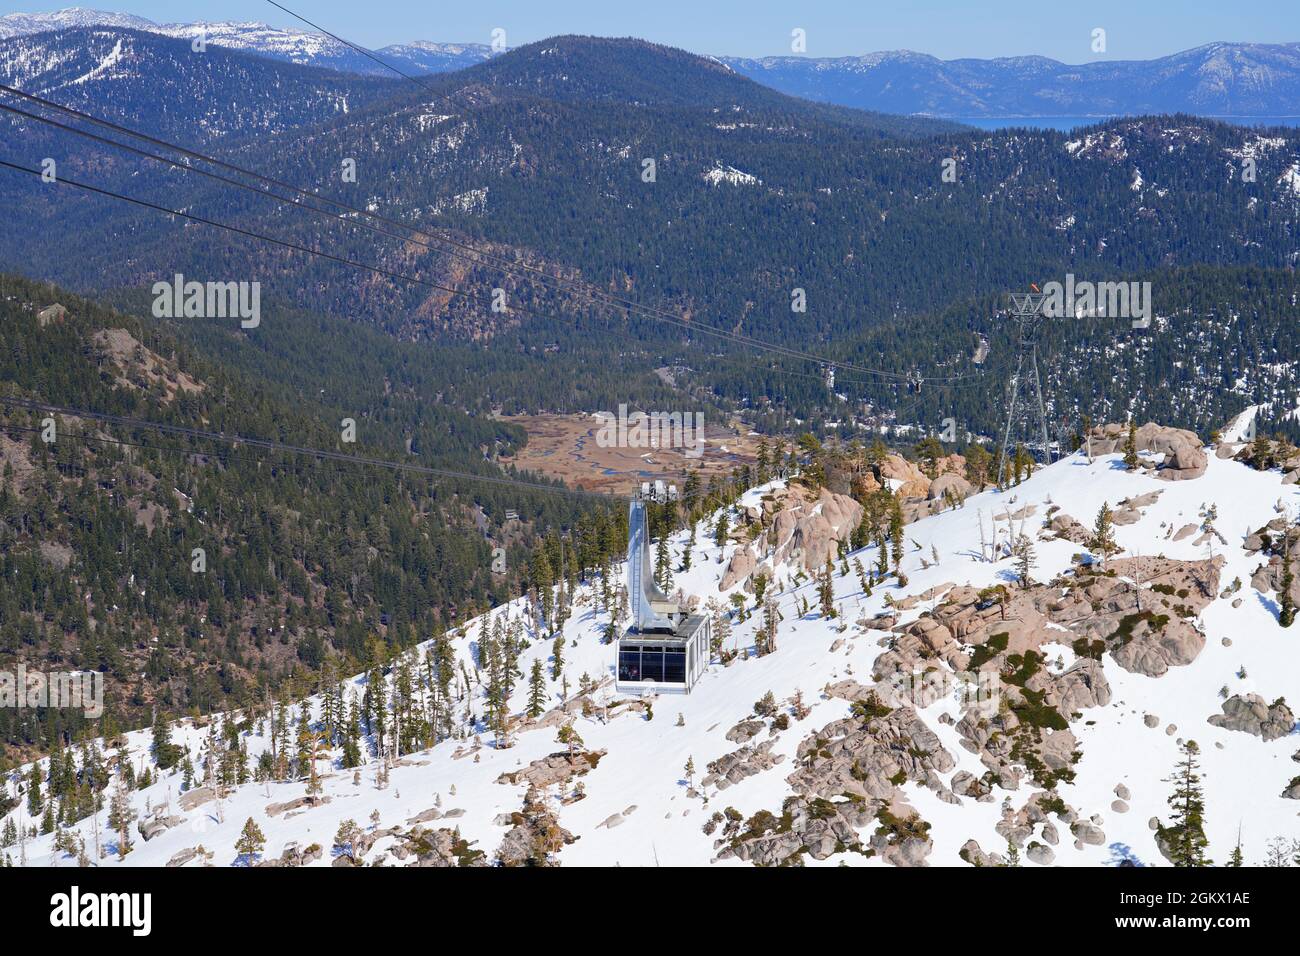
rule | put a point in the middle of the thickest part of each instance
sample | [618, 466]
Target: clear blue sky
[1136, 29]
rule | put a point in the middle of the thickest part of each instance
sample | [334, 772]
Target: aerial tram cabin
[665, 649]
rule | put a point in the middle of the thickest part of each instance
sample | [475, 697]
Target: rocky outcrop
[536, 837]
[309, 801]
[439, 848]
[1081, 686]
[799, 526]
[1040, 854]
[556, 769]
[150, 827]
[191, 799]
[1252, 715]
[1184, 457]
[734, 767]
[293, 855]
[745, 731]
[971, 853]
[951, 487]
[1069, 529]
[1186, 462]
[819, 828]
[1088, 833]
[869, 754]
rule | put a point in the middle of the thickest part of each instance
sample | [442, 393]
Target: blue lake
[1067, 123]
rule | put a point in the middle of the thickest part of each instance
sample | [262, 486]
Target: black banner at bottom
[139, 908]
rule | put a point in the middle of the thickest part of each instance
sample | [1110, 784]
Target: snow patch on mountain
[731, 176]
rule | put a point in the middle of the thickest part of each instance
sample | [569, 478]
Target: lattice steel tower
[1025, 408]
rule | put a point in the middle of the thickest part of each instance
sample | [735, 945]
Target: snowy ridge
[296, 46]
[636, 809]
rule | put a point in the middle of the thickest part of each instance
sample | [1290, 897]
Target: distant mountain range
[1218, 79]
[1242, 80]
[295, 46]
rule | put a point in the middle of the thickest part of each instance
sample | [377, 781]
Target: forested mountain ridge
[1221, 339]
[305, 562]
[539, 157]
[295, 46]
[512, 153]
[162, 86]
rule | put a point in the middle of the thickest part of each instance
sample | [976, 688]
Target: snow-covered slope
[637, 808]
[295, 46]
[21, 24]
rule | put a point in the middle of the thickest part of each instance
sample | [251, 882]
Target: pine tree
[1131, 460]
[165, 753]
[721, 529]
[1023, 550]
[896, 533]
[557, 657]
[250, 842]
[771, 619]
[35, 801]
[120, 815]
[1286, 612]
[826, 589]
[345, 839]
[1103, 534]
[663, 565]
[536, 690]
[863, 580]
[569, 736]
[1185, 836]
[1261, 453]
[1236, 859]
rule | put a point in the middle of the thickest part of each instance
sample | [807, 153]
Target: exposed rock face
[196, 797]
[1251, 714]
[734, 767]
[950, 486]
[912, 481]
[151, 827]
[1184, 458]
[1040, 854]
[557, 768]
[745, 731]
[867, 757]
[1292, 791]
[819, 828]
[848, 777]
[800, 526]
[1069, 529]
[1081, 686]
[1088, 833]
[1103, 608]
[311, 800]
[536, 838]
[1186, 462]
[437, 848]
[181, 857]
[970, 852]
[293, 855]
